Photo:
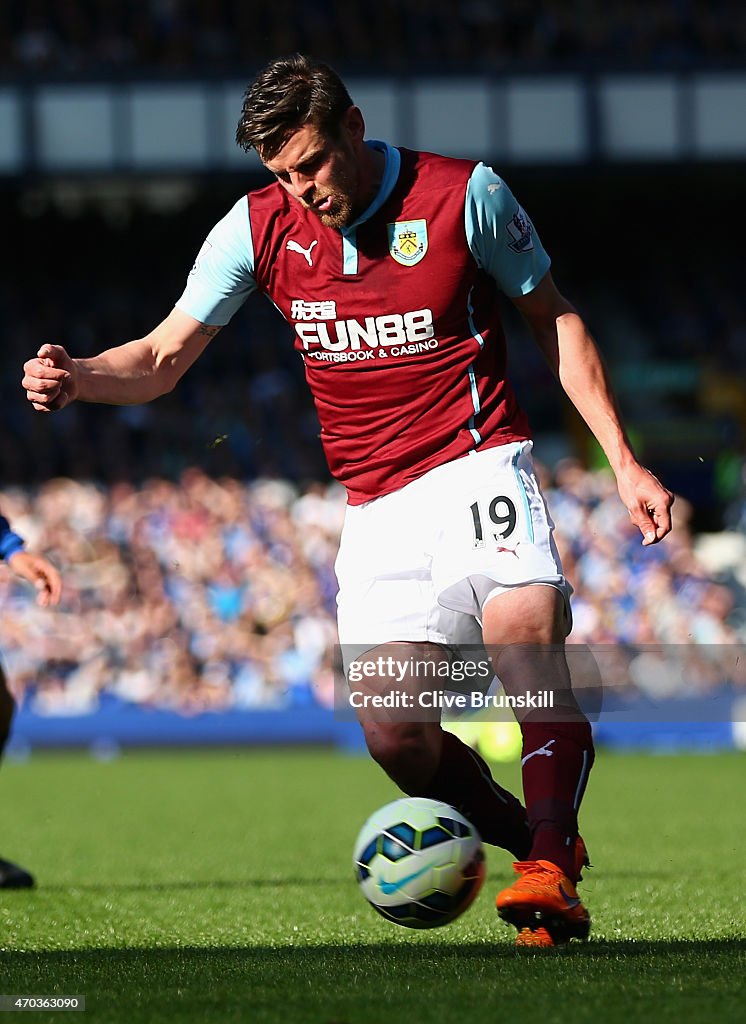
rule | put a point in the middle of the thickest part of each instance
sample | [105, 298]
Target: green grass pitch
[217, 886]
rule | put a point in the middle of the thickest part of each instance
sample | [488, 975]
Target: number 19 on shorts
[496, 517]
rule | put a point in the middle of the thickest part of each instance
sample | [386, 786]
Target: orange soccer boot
[543, 904]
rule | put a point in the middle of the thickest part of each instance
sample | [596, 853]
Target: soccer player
[46, 579]
[388, 264]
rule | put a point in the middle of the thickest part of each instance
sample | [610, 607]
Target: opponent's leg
[423, 760]
[524, 633]
[11, 875]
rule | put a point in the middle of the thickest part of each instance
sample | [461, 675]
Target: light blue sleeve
[222, 277]
[500, 235]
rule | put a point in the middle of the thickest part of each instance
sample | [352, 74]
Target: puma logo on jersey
[294, 246]
[542, 750]
[493, 187]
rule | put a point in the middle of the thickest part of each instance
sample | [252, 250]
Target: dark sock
[553, 784]
[464, 780]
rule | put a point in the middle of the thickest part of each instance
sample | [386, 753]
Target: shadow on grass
[357, 983]
[291, 956]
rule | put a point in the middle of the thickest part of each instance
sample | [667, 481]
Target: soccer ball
[419, 862]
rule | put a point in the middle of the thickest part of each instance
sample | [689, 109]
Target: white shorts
[420, 563]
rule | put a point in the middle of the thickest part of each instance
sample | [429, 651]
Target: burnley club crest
[407, 241]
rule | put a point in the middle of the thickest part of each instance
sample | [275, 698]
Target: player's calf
[407, 751]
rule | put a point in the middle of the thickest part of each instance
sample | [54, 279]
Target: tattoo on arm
[207, 330]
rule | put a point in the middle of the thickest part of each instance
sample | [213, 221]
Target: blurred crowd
[196, 595]
[663, 621]
[389, 35]
[206, 594]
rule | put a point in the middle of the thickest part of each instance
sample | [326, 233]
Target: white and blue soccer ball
[419, 862]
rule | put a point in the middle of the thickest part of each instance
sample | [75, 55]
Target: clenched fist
[50, 379]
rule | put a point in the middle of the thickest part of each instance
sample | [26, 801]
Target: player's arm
[38, 570]
[573, 355]
[141, 370]
[137, 371]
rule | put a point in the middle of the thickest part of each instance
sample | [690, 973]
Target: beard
[339, 214]
[342, 190]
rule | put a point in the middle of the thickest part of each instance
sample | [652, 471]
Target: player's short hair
[286, 94]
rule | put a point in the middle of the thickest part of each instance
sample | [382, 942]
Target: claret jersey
[395, 317]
